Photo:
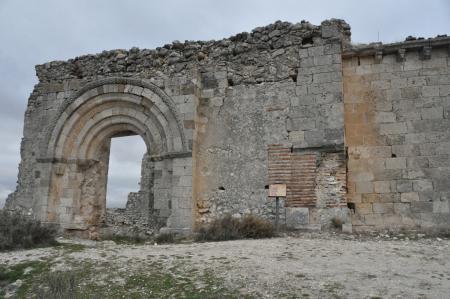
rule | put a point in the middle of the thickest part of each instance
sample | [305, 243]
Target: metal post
[277, 212]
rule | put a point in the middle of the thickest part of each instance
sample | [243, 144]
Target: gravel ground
[302, 266]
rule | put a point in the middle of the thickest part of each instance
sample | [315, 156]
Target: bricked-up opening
[313, 178]
[297, 171]
[124, 171]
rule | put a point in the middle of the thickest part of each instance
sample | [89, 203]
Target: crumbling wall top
[175, 56]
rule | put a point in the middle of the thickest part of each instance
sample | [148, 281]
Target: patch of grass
[229, 228]
[13, 273]
[152, 281]
[19, 231]
[88, 279]
[166, 238]
[59, 284]
[25, 271]
[333, 288]
[71, 247]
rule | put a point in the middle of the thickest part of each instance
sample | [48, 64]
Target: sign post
[277, 191]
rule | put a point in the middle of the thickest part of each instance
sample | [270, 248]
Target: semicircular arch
[155, 109]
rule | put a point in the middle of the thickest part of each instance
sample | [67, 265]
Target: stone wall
[292, 97]
[211, 114]
[397, 105]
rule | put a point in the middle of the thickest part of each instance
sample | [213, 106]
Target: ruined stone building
[359, 133]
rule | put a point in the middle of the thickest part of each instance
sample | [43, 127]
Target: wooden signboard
[277, 190]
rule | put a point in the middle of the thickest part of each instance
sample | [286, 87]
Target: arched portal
[77, 151]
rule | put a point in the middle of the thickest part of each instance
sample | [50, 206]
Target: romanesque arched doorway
[73, 175]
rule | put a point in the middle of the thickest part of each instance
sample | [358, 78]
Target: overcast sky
[37, 31]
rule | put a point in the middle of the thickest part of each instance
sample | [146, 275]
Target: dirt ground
[303, 266]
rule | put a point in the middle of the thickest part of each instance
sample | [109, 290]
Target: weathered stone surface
[397, 104]
[297, 217]
[209, 111]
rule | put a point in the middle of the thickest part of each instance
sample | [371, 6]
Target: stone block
[443, 148]
[422, 185]
[334, 48]
[364, 208]
[396, 163]
[402, 208]
[404, 186]
[439, 161]
[442, 182]
[394, 128]
[383, 208]
[347, 228]
[323, 60]
[306, 62]
[296, 136]
[297, 217]
[417, 162]
[315, 51]
[381, 84]
[388, 174]
[303, 53]
[421, 207]
[411, 92]
[364, 187]
[430, 91]
[315, 138]
[373, 220]
[304, 79]
[409, 197]
[300, 124]
[444, 90]
[330, 31]
[441, 206]
[432, 113]
[370, 151]
[385, 117]
[405, 150]
[382, 186]
[185, 181]
[327, 77]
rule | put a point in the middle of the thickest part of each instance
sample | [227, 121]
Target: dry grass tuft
[18, 231]
[229, 228]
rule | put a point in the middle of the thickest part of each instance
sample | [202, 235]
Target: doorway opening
[124, 170]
